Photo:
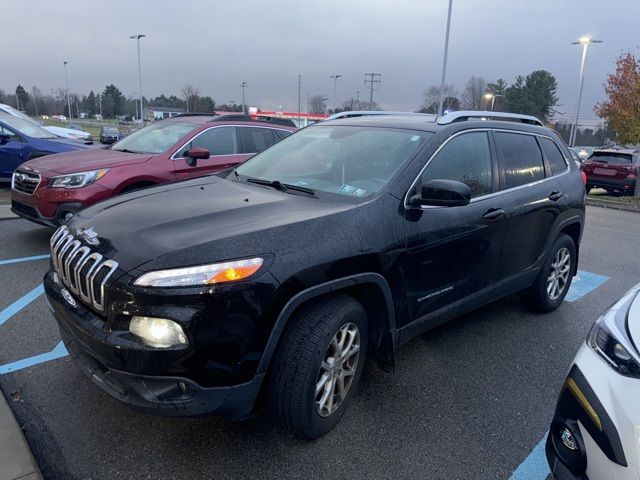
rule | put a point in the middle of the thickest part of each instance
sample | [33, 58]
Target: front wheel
[554, 279]
[318, 366]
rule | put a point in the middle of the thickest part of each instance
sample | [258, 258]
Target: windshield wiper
[125, 150]
[278, 185]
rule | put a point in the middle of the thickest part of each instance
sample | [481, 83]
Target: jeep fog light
[158, 332]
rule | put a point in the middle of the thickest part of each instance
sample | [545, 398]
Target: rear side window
[257, 139]
[520, 158]
[554, 156]
[465, 158]
[218, 140]
[282, 133]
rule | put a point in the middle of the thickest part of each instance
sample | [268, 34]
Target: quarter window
[466, 159]
[520, 158]
[219, 141]
[257, 139]
[554, 156]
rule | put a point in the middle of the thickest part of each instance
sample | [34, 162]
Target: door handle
[493, 214]
[555, 196]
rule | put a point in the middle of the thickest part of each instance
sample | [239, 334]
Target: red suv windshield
[155, 138]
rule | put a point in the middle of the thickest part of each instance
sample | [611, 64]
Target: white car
[595, 432]
[58, 131]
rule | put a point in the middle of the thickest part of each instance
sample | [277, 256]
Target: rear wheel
[318, 366]
[554, 279]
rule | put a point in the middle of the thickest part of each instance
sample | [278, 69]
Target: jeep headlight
[158, 332]
[201, 275]
[77, 180]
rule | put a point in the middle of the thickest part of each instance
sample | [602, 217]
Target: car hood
[67, 132]
[86, 159]
[208, 216]
[633, 319]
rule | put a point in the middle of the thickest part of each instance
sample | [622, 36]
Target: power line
[373, 80]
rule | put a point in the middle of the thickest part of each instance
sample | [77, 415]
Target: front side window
[467, 159]
[347, 160]
[25, 127]
[218, 140]
[554, 156]
[155, 138]
[520, 158]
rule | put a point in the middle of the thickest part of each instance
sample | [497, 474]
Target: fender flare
[316, 291]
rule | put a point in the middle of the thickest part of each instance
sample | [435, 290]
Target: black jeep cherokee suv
[340, 242]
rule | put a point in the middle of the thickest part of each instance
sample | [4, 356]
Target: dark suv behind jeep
[340, 242]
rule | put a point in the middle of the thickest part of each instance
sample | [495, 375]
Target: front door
[453, 252]
[223, 144]
[11, 152]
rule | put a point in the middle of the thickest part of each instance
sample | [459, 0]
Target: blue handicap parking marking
[58, 352]
[19, 304]
[535, 466]
[584, 283]
[23, 259]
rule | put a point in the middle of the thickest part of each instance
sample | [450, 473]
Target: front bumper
[102, 353]
[601, 411]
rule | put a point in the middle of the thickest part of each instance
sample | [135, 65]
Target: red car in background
[49, 190]
[612, 169]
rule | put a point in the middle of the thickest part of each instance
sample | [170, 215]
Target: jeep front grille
[83, 272]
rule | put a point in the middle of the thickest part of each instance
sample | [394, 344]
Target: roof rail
[363, 113]
[463, 115]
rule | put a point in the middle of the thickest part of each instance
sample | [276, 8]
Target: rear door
[223, 143]
[11, 152]
[534, 199]
[256, 139]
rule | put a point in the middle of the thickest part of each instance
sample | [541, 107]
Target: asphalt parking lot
[469, 400]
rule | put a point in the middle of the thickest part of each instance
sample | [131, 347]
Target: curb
[16, 459]
[627, 207]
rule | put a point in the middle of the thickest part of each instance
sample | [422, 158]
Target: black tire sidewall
[314, 425]
[541, 300]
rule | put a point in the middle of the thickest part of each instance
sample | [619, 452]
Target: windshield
[611, 157]
[25, 127]
[353, 161]
[155, 138]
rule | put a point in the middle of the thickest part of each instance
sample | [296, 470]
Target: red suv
[49, 190]
[612, 169]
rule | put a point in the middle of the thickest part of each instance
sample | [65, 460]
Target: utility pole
[243, 85]
[335, 77]
[373, 80]
[299, 89]
[444, 61]
[66, 81]
[585, 41]
[100, 104]
[137, 37]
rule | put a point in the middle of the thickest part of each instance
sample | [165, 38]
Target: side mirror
[192, 156]
[443, 193]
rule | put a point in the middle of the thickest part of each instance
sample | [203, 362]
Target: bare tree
[432, 98]
[36, 97]
[317, 104]
[191, 95]
[473, 94]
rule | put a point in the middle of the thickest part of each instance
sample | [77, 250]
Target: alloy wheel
[559, 274]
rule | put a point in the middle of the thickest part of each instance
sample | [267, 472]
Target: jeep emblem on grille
[90, 236]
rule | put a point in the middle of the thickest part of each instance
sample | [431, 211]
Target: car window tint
[520, 158]
[554, 156]
[611, 157]
[219, 141]
[283, 133]
[257, 139]
[466, 159]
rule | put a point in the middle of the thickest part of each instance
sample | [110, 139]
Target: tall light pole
[243, 85]
[492, 97]
[137, 38]
[585, 41]
[299, 95]
[66, 81]
[444, 61]
[335, 77]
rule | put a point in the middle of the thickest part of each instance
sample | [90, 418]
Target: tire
[538, 296]
[296, 371]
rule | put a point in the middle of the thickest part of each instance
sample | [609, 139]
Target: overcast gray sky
[215, 45]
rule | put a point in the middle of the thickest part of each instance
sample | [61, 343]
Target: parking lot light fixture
[585, 41]
[66, 81]
[243, 85]
[335, 77]
[137, 38]
[491, 96]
